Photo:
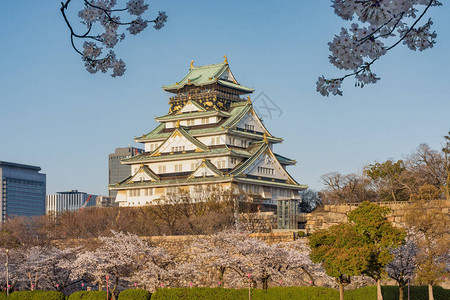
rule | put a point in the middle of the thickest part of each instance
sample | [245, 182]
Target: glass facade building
[22, 190]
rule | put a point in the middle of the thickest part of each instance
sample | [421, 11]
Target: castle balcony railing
[205, 94]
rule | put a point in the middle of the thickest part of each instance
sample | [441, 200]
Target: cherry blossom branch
[101, 12]
[348, 50]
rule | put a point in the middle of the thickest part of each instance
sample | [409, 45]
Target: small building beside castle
[211, 136]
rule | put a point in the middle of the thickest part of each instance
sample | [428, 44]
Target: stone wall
[334, 214]
[259, 222]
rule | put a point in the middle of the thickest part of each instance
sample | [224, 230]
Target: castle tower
[211, 135]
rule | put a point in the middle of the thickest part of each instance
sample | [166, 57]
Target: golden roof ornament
[192, 65]
[177, 125]
[226, 59]
[265, 138]
[249, 100]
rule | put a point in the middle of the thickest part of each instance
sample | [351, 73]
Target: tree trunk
[400, 292]
[221, 274]
[341, 291]
[430, 292]
[379, 294]
[265, 282]
[311, 279]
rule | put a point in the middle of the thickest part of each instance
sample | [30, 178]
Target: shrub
[301, 234]
[3, 296]
[300, 293]
[135, 294]
[276, 293]
[366, 293]
[36, 295]
[417, 292]
[88, 295]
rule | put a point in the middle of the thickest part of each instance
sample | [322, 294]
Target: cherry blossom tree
[108, 16]
[402, 267]
[298, 262]
[161, 269]
[40, 268]
[263, 261]
[119, 257]
[219, 252]
[381, 25]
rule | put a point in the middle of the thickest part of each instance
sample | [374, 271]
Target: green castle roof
[206, 75]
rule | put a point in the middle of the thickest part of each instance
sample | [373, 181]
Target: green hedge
[417, 292]
[300, 293]
[36, 295]
[276, 293]
[366, 293]
[2, 295]
[88, 295]
[135, 294]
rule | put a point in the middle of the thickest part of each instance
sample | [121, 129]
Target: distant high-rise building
[68, 201]
[22, 190]
[117, 171]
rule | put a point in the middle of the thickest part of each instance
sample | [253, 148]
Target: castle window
[148, 192]
[217, 140]
[179, 168]
[249, 127]
[205, 120]
[263, 170]
[171, 189]
[190, 122]
[178, 149]
[134, 193]
[221, 164]
[162, 169]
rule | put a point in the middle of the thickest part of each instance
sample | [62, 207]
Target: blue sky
[56, 115]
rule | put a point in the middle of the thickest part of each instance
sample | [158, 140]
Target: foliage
[346, 188]
[416, 292]
[88, 295]
[8, 240]
[310, 200]
[342, 252]
[424, 174]
[431, 235]
[387, 174]
[134, 294]
[426, 192]
[378, 235]
[37, 295]
[375, 23]
[306, 293]
[279, 293]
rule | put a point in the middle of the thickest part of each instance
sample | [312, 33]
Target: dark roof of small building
[19, 166]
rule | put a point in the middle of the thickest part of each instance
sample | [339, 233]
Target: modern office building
[22, 190]
[118, 171]
[212, 135]
[68, 201]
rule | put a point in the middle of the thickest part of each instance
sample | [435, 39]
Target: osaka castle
[211, 136]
